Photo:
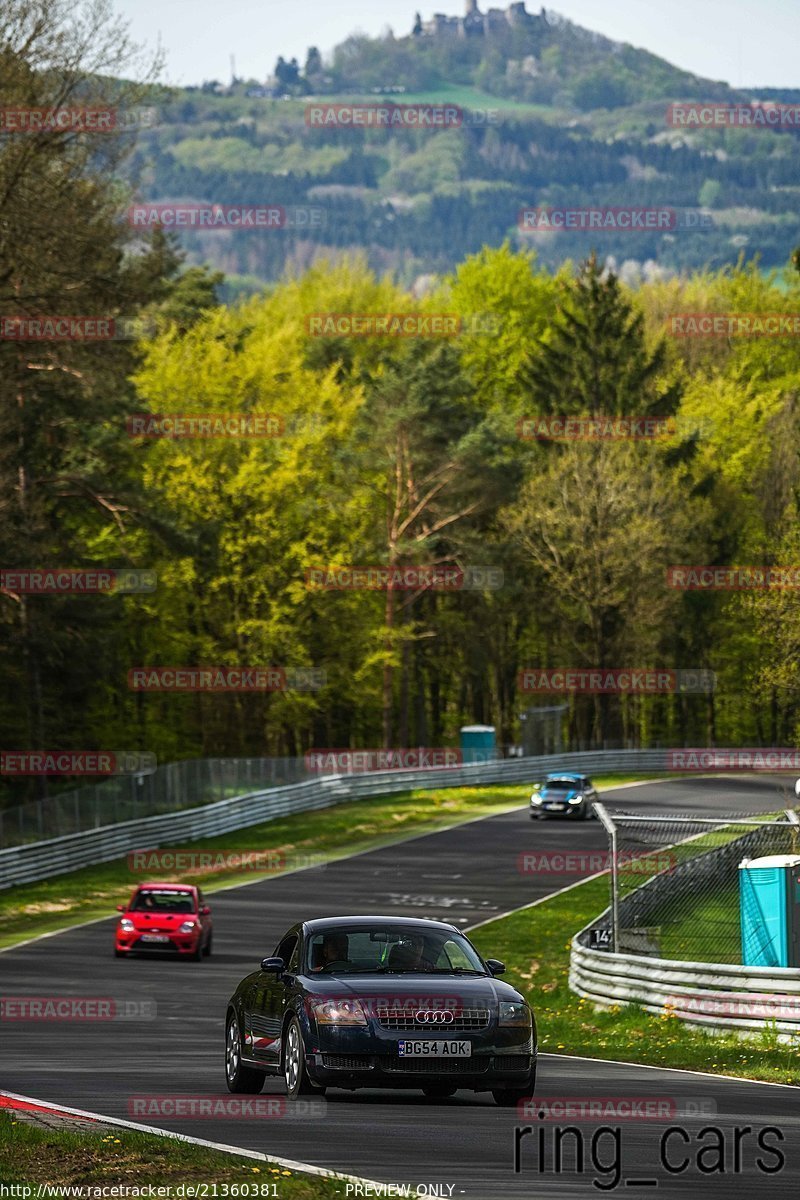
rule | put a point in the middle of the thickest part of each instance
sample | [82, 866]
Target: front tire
[510, 1097]
[439, 1091]
[238, 1077]
[294, 1063]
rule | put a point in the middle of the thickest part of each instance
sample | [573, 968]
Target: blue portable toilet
[769, 907]
[478, 743]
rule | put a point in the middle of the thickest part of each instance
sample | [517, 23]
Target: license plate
[556, 807]
[155, 937]
[437, 1049]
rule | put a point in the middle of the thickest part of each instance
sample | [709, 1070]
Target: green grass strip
[33, 1154]
[30, 909]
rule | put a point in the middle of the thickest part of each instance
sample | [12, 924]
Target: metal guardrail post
[611, 830]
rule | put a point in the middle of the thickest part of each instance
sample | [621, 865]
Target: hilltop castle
[478, 24]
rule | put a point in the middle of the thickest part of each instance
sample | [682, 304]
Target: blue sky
[742, 42]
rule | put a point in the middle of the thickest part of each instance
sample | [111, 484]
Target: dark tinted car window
[163, 902]
[376, 948]
[287, 950]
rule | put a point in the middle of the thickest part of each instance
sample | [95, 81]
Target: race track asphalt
[461, 1147]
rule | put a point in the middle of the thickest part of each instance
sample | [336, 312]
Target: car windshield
[163, 902]
[391, 949]
[562, 785]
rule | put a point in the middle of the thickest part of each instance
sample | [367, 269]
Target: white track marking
[289, 1163]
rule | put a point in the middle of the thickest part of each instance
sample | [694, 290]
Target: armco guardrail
[42, 859]
[721, 995]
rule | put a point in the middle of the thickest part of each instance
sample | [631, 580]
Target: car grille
[435, 1066]
[347, 1062]
[511, 1062]
[405, 1019]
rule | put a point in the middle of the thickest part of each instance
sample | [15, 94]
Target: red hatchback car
[165, 916]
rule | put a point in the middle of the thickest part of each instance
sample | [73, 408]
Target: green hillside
[553, 115]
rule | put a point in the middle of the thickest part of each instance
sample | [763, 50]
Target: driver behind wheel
[334, 948]
[409, 954]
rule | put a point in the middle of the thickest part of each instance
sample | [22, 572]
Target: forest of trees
[393, 451]
[421, 201]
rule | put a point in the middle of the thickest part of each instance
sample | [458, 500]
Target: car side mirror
[205, 911]
[275, 965]
[495, 966]
[120, 908]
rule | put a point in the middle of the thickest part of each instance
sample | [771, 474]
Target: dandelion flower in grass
[256, 1170]
[286, 1172]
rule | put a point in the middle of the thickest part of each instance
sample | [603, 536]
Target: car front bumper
[479, 1073]
[361, 1058]
[177, 943]
[572, 810]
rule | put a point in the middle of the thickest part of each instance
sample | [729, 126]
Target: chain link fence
[190, 783]
[170, 788]
[675, 881]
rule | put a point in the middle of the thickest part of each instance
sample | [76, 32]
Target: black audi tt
[381, 1002]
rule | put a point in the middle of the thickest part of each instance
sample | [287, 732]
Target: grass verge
[30, 909]
[31, 1154]
[534, 944]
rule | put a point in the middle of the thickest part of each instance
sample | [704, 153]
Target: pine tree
[597, 361]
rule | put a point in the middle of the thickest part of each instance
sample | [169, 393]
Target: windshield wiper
[455, 971]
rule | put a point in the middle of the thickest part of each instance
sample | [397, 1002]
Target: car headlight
[514, 1012]
[576, 799]
[126, 926]
[536, 798]
[187, 927]
[338, 1012]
